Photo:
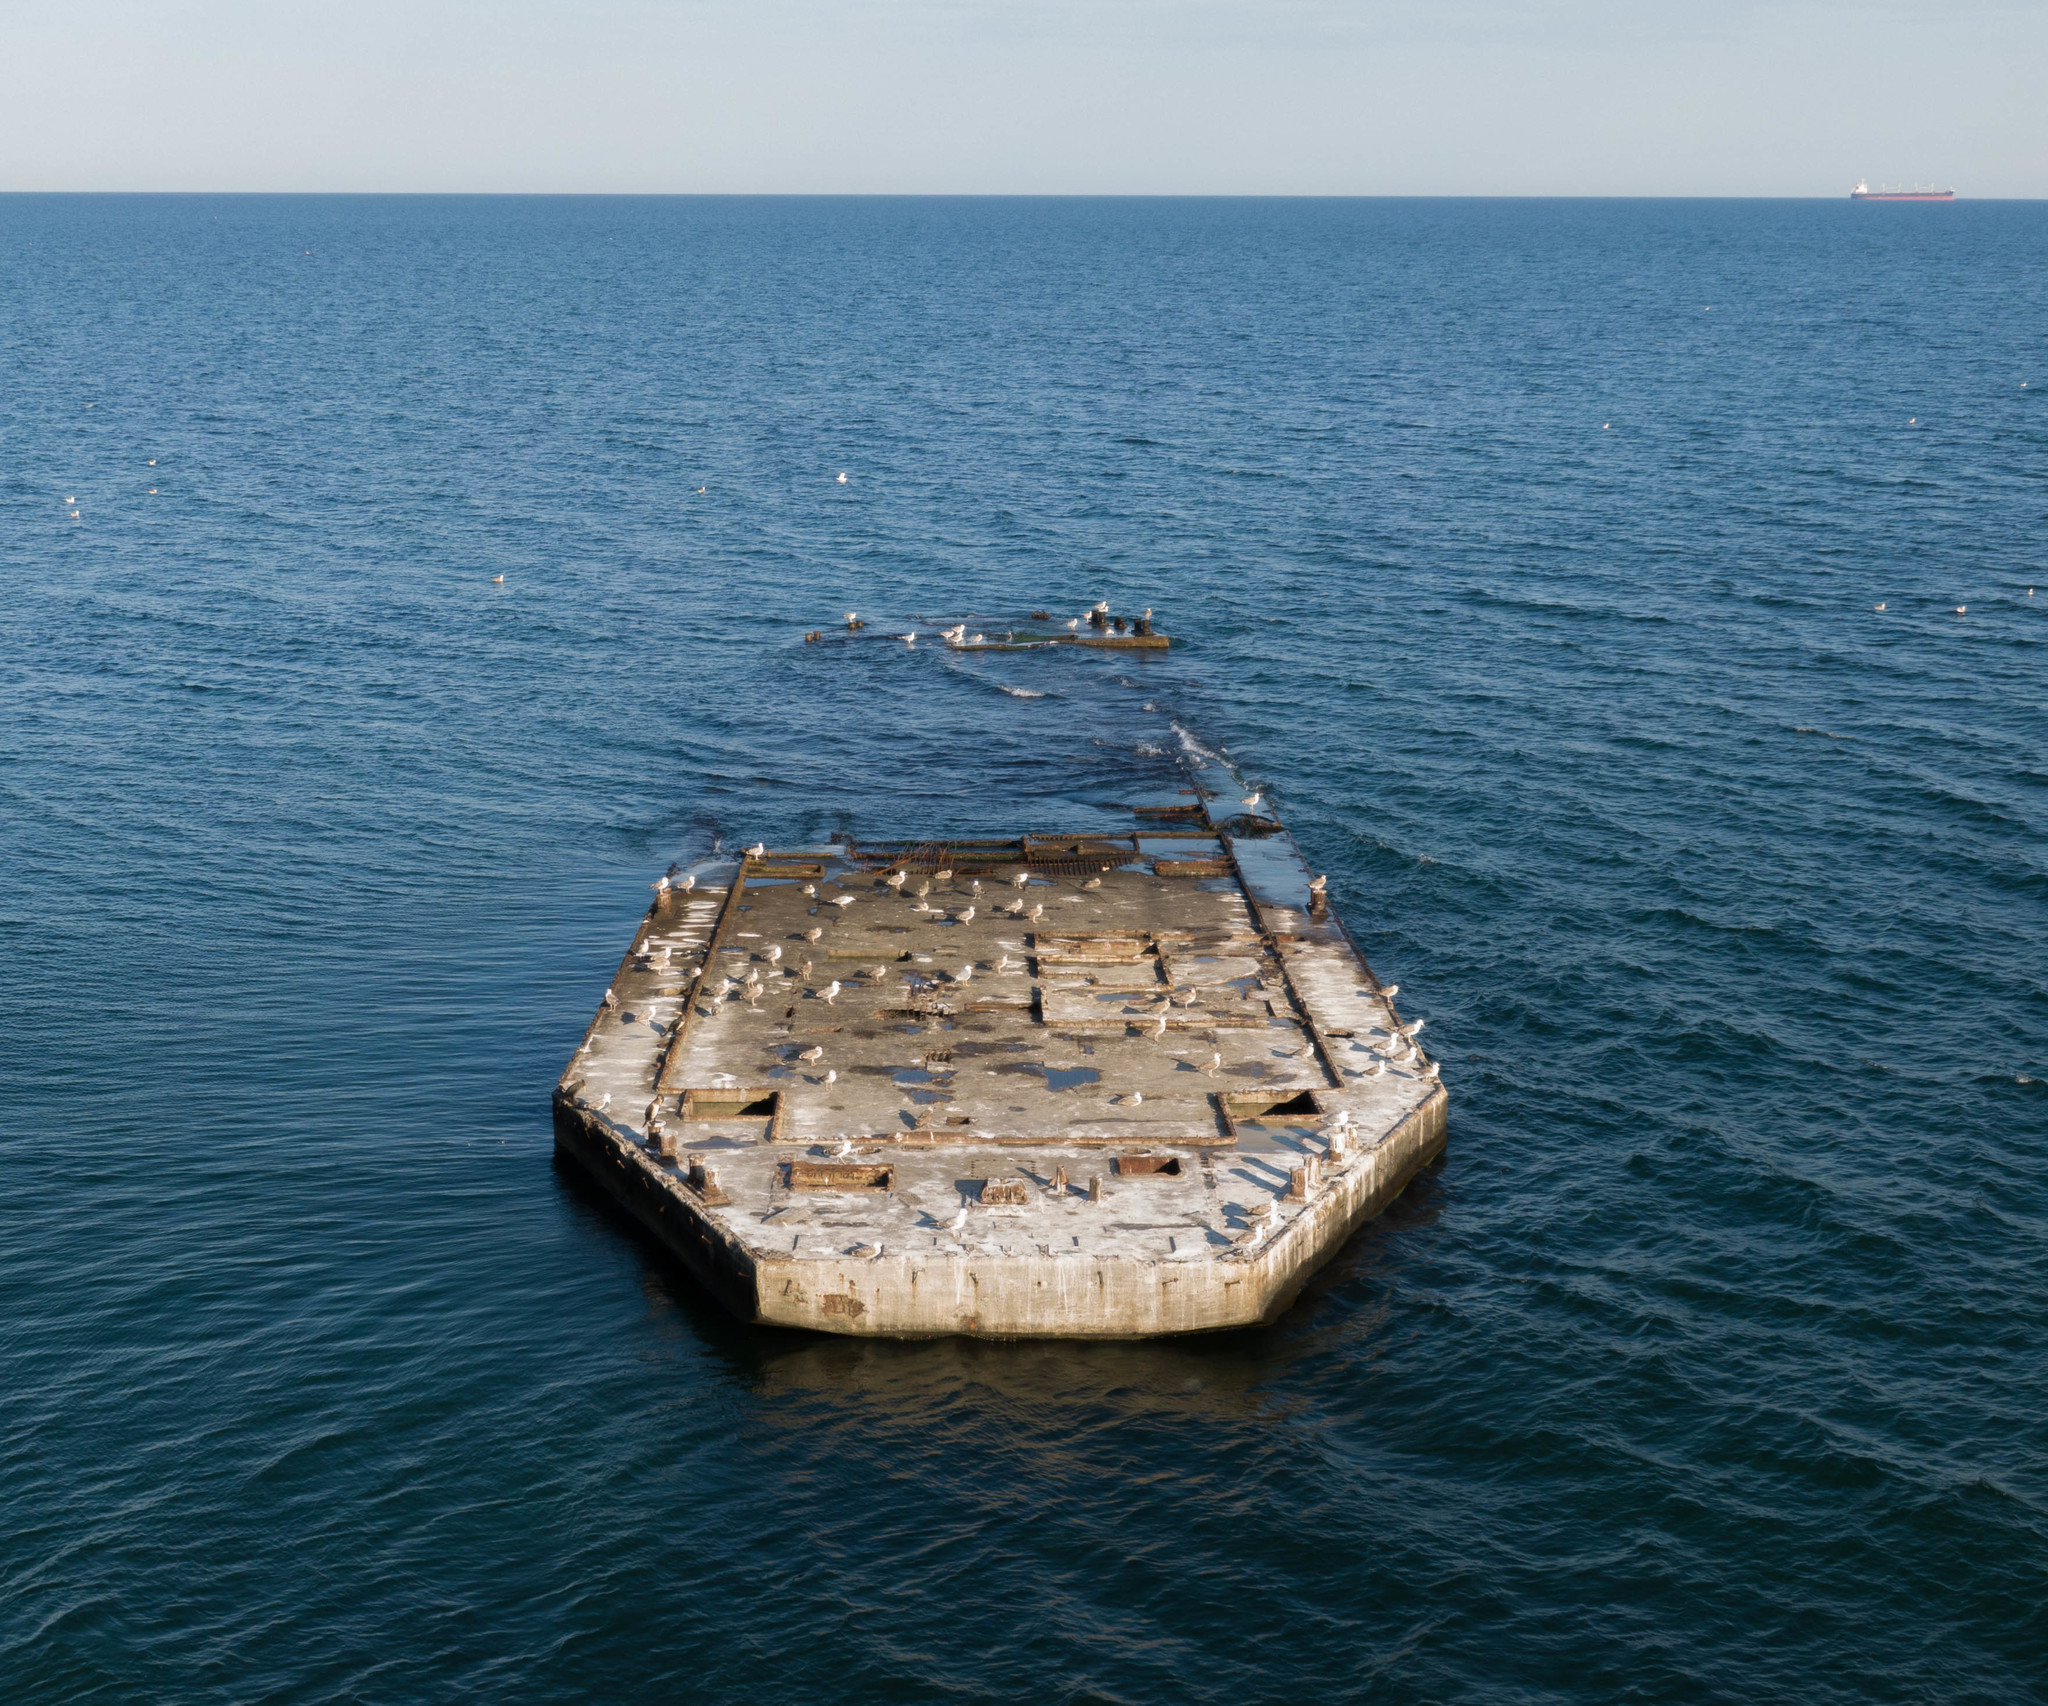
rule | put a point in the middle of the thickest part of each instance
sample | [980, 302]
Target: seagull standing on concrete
[1251, 801]
[1159, 1026]
[1390, 990]
[775, 954]
[810, 891]
[758, 850]
[896, 880]
[815, 1052]
[842, 900]
[1020, 880]
[832, 992]
[964, 974]
[831, 1078]
[660, 885]
[687, 884]
[967, 917]
[610, 1000]
[1092, 883]
[1215, 1062]
[1037, 912]
[815, 931]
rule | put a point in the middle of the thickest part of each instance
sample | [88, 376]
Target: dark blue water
[1527, 553]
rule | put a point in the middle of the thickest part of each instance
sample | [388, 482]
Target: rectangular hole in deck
[1131, 1166]
[840, 1176]
[730, 1104]
[1256, 1105]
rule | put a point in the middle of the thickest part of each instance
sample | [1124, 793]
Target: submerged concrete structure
[1103, 1085]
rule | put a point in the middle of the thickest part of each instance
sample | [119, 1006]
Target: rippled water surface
[1529, 553]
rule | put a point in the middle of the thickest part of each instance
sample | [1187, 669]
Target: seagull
[852, 618]
[1433, 1070]
[1135, 1097]
[687, 884]
[605, 1103]
[815, 931]
[1961, 609]
[831, 1078]
[959, 1220]
[1005, 963]
[1377, 1069]
[876, 972]
[963, 974]
[967, 917]
[811, 890]
[1215, 1061]
[610, 1000]
[1317, 885]
[945, 876]
[1020, 880]
[896, 880]
[1016, 907]
[842, 477]
[1037, 912]
[832, 992]
[910, 639]
[1075, 623]
[1092, 883]
[1880, 606]
[775, 954]
[845, 1145]
[923, 889]
[815, 1052]
[804, 971]
[1159, 1026]
[975, 888]
[659, 885]
[842, 900]
[1389, 990]
[1410, 1029]
[1251, 801]
[758, 850]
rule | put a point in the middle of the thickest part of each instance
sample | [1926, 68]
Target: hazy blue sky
[1632, 97]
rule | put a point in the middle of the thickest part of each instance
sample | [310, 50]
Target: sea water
[1626, 603]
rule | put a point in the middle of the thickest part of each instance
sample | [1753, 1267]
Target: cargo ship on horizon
[1863, 192]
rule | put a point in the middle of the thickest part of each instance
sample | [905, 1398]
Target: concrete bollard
[1095, 1187]
[1297, 1185]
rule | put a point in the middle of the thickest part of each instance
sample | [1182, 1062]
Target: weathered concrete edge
[1056, 1296]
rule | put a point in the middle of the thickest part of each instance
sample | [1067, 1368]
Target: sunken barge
[1092, 1086]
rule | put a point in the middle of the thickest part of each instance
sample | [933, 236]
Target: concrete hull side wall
[1049, 1296]
[723, 1268]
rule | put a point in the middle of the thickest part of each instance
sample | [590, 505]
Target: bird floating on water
[1877, 607]
[497, 580]
[842, 477]
[1962, 609]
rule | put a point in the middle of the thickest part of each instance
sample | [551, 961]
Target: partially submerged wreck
[1099, 1085]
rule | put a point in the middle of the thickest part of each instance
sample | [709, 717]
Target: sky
[1279, 97]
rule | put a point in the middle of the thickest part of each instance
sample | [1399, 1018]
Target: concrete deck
[1100, 1102]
